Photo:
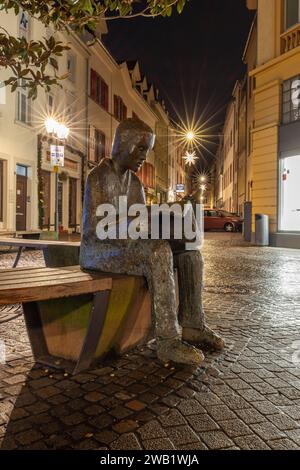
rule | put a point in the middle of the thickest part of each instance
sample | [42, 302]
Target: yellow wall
[267, 115]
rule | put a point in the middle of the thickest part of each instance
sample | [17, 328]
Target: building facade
[276, 130]
[97, 94]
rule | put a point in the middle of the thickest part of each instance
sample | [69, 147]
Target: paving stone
[250, 416]
[235, 428]
[293, 411]
[267, 431]
[93, 410]
[283, 422]
[190, 407]
[126, 442]
[294, 435]
[235, 402]
[251, 443]
[152, 430]
[87, 444]
[135, 405]
[158, 444]
[216, 440]
[106, 437]
[265, 407]
[172, 418]
[180, 435]
[15, 379]
[206, 399]
[80, 432]
[202, 422]
[28, 437]
[125, 426]
[94, 397]
[237, 384]
[283, 444]
[220, 412]
[101, 421]
[73, 419]
[251, 395]
[120, 412]
[195, 446]
[47, 392]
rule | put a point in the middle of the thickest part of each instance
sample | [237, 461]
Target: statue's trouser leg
[154, 260]
[190, 268]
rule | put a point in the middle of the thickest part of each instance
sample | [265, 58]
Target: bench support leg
[20, 250]
[35, 330]
[38, 341]
[94, 331]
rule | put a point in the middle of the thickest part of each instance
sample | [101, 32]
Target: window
[24, 25]
[23, 104]
[97, 145]
[1, 191]
[71, 66]
[2, 93]
[291, 100]
[99, 90]
[292, 13]
[46, 180]
[50, 104]
[21, 170]
[120, 110]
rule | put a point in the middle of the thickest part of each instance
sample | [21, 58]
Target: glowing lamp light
[190, 158]
[54, 127]
[62, 131]
[50, 125]
[190, 135]
[203, 187]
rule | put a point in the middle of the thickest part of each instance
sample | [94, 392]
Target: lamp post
[60, 132]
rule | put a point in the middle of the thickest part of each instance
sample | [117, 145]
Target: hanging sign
[57, 153]
[180, 188]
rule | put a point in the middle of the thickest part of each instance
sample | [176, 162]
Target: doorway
[290, 194]
[72, 202]
[21, 197]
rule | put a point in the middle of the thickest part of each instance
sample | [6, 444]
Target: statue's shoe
[181, 353]
[204, 337]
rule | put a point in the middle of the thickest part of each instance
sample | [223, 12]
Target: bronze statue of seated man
[178, 334]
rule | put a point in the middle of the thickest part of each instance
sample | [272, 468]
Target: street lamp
[60, 132]
[190, 136]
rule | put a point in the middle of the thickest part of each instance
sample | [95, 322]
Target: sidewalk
[245, 398]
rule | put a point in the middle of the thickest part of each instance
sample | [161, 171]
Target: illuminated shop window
[291, 100]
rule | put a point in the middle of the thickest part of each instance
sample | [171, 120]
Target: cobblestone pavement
[245, 398]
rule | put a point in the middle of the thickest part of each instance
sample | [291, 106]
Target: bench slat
[70, 281]
[6, 276]
[52, 291]
[41, 278]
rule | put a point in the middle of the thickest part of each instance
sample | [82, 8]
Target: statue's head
[132, 142]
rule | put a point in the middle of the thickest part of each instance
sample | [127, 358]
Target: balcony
[290, 39]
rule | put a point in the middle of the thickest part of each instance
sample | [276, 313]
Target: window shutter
[104, 95]
[124, 111]
[116, 106]
[93, 84]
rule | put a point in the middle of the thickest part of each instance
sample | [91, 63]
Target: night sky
[193, 58]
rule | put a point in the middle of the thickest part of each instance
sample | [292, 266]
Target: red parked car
[222, 220]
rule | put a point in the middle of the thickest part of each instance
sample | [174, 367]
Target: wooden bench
[74, 317]
[56, 253]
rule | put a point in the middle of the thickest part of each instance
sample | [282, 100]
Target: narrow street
[245, 398]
